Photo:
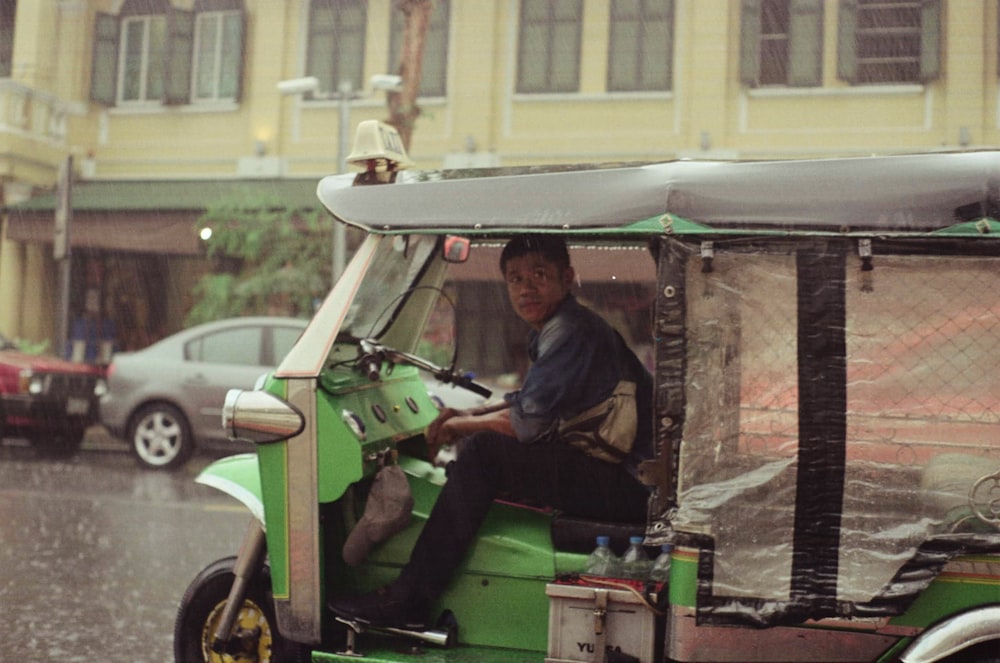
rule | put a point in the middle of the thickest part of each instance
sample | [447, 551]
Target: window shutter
[805, 43]
[239, 64]
[671, 30]
[930, 40]
[750, 42]
[847, 54]
[104, 63]
[180, 51]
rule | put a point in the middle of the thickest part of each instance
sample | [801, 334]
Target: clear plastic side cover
[839, 424]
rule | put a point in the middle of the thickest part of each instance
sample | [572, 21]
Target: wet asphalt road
[95, 553]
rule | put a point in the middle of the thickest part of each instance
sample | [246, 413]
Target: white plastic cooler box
[583, 618]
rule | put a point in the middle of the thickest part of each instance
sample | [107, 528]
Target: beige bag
[607, 430]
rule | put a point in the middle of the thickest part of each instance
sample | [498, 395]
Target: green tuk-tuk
[824, 338]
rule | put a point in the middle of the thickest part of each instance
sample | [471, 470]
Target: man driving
[513, 448]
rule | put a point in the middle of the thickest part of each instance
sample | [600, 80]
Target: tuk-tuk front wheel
[255, 635]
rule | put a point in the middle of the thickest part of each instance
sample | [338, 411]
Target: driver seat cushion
[578, 535]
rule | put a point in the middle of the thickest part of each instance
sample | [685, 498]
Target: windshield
[394, 270]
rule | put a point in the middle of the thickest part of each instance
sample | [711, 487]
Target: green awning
[150, 216]
[175, 195]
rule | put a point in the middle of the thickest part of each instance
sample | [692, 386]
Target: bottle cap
[603, 540]
[635, 539]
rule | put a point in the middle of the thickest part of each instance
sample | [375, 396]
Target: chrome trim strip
[300, 617]
[952, 636]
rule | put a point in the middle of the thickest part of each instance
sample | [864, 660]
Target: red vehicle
[47, 400]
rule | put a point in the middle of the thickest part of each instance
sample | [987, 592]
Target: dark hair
[551, 247]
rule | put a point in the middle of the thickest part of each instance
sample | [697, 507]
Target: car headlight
[260, 417]
[30, 383]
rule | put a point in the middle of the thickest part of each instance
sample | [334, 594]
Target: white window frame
[196, 62]
[147, 24]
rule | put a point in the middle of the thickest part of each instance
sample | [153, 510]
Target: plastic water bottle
[603, 561]
[661, 567]
[635, 562]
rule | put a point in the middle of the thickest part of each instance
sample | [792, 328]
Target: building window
[140, 68]
[889, 42]
[774, 42]
[640, 52]
[336, 48]
[548, 58]
[8, 10]
[433, 80]
[781, 42]
[218, 53]
[152, 52]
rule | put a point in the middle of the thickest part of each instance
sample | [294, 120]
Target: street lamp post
[345, 94]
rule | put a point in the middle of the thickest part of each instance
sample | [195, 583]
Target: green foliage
[267, 259]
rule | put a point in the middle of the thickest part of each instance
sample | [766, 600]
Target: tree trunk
[403, 109]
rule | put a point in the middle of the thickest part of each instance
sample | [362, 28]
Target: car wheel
[160, 436]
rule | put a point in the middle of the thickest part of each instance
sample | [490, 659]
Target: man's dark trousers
[492, 465]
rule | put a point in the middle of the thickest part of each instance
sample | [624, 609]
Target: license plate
[77, 406]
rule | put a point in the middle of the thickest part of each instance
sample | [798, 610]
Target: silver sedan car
[164, 398]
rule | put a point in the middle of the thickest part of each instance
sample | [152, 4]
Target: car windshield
[394, 270]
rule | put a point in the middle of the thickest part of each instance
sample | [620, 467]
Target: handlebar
[373, 355]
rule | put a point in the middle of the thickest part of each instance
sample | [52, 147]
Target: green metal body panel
[953, 592]
[948, 595]
[274, 473]
[239, 477]
[684, 578]
[273, 461]
[340, 451]
[507, 568]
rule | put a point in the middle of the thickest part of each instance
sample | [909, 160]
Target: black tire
[984, 652]
[202, 606]
[159, 436]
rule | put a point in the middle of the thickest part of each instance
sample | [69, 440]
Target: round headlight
[36, 385]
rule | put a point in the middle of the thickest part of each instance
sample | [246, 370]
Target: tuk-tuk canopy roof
[906, 194]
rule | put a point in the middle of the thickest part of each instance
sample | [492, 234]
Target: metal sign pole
[62, 253]
[345, 95]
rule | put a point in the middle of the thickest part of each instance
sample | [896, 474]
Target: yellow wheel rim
[251, 627]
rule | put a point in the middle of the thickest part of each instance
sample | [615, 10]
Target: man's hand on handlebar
[451, 425]
[436, 436]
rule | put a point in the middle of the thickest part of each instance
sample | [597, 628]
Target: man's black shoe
[386, 607]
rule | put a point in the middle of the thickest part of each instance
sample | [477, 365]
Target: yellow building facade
[143, 92]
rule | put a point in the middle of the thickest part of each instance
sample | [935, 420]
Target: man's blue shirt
[577, 359]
